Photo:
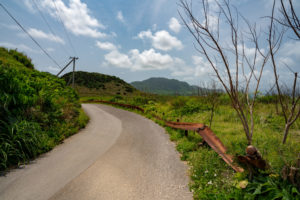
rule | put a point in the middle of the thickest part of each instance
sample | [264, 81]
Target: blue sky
[131, 39]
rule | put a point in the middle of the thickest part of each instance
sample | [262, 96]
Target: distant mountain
[166, 86]
[95, 84]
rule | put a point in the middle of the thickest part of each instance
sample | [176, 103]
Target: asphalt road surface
[119, 155]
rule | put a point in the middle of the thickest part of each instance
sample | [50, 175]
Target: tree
[241, 68]
[211, 93]
[288, 98]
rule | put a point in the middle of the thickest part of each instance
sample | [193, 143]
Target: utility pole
[73, 59]
[73, 75]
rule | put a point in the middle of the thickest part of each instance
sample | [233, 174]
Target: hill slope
[165, 86]
[37, 110]
[94, 84]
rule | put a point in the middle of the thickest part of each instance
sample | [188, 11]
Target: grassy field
[211, 178]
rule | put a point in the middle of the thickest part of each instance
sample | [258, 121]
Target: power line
[29, 35]
[66, 33]
[45, 20]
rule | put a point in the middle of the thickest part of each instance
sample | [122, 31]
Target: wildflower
[242, 184]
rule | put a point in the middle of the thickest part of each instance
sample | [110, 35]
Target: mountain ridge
[165, 86]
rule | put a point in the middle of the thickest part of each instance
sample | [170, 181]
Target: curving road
[119, 155]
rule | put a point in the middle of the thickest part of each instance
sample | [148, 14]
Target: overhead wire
[31, 37]
[63, 25]
[48, 25]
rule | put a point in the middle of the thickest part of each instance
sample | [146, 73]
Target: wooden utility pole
[73, 59]
[73, 75]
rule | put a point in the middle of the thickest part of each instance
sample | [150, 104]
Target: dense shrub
[188, 105]
[22, 58]
[37, 111]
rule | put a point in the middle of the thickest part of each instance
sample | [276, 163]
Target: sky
[131, 39]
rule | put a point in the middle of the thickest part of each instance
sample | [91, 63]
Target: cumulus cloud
[199, 69]
[213, 22]
[106, 46]
[47, 36]
[288, 55]
[117, 59]
[203, 68]
[174, 25]
[120, 17]
[161, 40]
[138, 61]
[76, 17]
[150, 60]
[29, 5]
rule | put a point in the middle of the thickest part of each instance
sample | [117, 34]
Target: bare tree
[288, 99]
[236, 70]
[290, 18]
[211, 93]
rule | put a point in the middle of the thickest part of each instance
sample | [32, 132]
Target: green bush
[22, 58]
[37, 110]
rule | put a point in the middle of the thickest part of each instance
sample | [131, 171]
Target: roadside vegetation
[211, 177]
[37, 110]
[96, 84]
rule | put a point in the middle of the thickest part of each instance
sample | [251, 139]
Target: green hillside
[37, 110]
[96, 84]
[165, 86]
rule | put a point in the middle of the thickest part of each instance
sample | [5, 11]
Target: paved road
[119, 155]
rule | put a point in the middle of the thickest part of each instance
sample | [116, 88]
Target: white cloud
[291, 48]
[117, 59]
[120, 17]
[106, 46]
[29, 5]
[201, 68]
[161, 40]
[137, 61]
[213, 22]
[289, 55]
[150, 60]
[47, 36]
[174, 25]
[76, 17]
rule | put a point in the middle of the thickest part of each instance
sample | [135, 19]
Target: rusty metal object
[206, 133]
[253, 158]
